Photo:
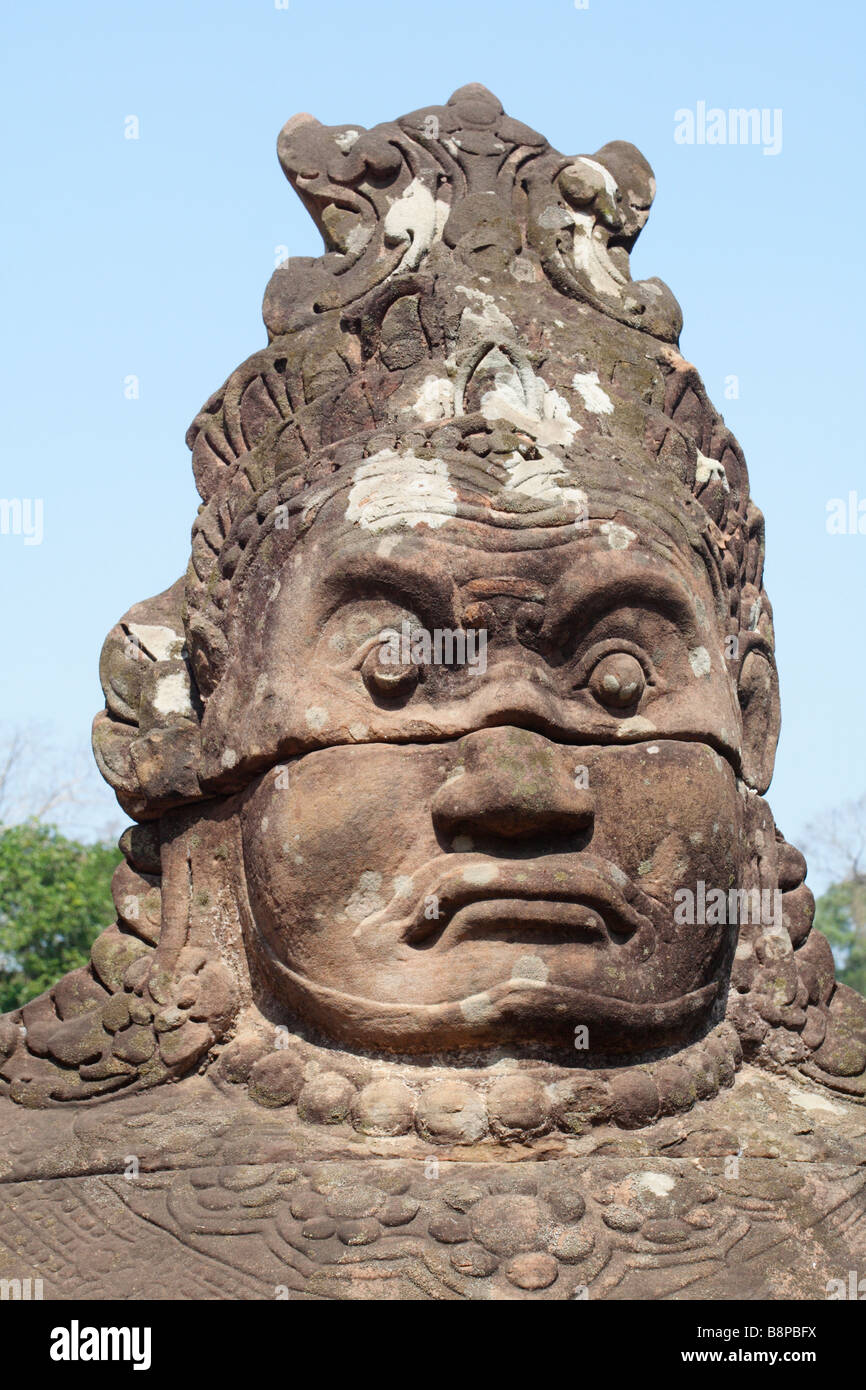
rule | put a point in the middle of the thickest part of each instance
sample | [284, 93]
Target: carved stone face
[460, 858]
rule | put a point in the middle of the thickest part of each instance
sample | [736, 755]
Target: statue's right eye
[386, 678]
[618, 680]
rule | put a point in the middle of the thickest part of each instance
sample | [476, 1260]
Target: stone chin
[522, 1015]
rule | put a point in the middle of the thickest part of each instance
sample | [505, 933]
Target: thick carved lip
[560, 898]
[533, 920]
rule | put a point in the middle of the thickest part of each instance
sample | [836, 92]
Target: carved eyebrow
[363, 573]
[601, 596]
[508, 587]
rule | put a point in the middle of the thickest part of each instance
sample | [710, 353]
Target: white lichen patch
[173, 695]
[530, 968]
[522, 269]
[392, 489]
[357, 238]
[590, 257]
[417, 217]
[162, 643]
[594, 397]
[807, 1100]
[229, 758]
[480, 874]
[435, 400]
[478, 1008]
[366, 898]
[660, 1184]
[618, 537]
[387, 546]
[710, 470]
[316, 718]
[482, 317]
[545, 478]
[699, 660]
[345, 139]
[610, 183]
[525, 400]
[636, 725]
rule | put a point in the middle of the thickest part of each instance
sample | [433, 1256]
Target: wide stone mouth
[584, 911]
[535, 922]
[551, 908]
[565, 899]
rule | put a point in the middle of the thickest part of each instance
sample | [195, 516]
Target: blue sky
[149, 257]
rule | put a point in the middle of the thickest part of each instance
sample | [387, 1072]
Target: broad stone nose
[516, 784]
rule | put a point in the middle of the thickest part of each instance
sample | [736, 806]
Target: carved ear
[758, 690]
[147, 740]
[636, 183]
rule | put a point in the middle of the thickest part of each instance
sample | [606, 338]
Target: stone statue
[447, 760]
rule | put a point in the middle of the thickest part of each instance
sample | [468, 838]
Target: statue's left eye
[386, 679]
[618, 680]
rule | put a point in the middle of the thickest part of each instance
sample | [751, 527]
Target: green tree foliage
[841, 915]
[55, 898]
[836, 847]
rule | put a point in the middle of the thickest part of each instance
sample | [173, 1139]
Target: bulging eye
[387, 678]
[618, 680]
